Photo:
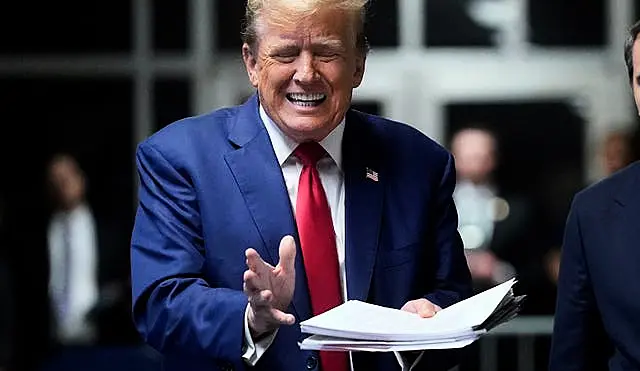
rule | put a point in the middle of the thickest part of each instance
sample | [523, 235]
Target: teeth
[305, 104]
[306, 97]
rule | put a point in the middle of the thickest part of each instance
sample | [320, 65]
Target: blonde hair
[287, 11]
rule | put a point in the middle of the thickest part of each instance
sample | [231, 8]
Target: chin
[307, 130]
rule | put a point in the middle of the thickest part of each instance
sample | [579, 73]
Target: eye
[327, 54]
[285, 54]
[285, 57]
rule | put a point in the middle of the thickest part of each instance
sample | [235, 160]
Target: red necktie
[318, 244]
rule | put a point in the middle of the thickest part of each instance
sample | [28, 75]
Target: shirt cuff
[254, 350]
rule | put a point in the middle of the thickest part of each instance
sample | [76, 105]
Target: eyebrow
[328, 40]
[283, 47]
[328, 43]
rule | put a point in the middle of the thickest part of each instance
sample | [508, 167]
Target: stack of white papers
[359, 326]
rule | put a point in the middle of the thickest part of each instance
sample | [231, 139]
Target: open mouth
[306, 100]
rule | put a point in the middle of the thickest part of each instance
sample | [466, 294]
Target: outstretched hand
[270, 289]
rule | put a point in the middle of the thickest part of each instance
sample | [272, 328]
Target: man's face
[616, 154]
[473, 151]
[305, 72]
[635, 52]
[67, 183]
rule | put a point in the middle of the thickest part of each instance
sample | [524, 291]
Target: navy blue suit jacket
[597, 323]
[211, 186]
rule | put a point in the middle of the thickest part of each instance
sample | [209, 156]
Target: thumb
[426, 310]
[287, 253]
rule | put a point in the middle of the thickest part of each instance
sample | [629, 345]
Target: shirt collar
[284, 146]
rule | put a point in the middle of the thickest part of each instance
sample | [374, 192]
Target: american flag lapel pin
[373, 175]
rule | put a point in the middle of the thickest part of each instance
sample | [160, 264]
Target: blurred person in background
[596, 324]
[87, 282]
[73, 253]
[69, 270]
[492, 225]
[231, 201]
[97, 312]
[496, 228]
[616, 152]
[635, 142]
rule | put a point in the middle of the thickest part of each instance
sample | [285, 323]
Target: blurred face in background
[474, 153]
[616, 153]
[636, 72]
[67, 183]
[305, 69]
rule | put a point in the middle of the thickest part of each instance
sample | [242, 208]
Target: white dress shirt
[475, 203]
[332, 179]
[73, 285]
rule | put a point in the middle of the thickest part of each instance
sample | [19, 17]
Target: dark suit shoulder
[618, 186]
[184, 139]
[189, 128]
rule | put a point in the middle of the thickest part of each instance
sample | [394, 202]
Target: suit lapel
[364, 188]
[259, 178]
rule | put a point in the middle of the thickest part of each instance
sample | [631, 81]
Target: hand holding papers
[359, 326]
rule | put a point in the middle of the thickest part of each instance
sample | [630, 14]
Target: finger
[261, 302]
[427, 310]
[421, 307]
[410, 306]
[266, 296]
[253, 258]
[255, 262]
[427, 313]
[287, 253]
[251, 283]
[282, 317]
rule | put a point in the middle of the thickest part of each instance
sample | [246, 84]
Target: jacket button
[312, 362]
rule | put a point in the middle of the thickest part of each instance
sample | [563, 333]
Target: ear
[251, 64]
[358, 74]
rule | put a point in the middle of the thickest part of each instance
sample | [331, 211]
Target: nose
[305, 70]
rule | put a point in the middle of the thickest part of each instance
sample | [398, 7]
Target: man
[616, 152]
[72, 245]
[321, 203]
[483, 213]
[596, 324]
[86, 280]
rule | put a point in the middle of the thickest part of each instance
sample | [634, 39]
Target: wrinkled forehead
[294, 24]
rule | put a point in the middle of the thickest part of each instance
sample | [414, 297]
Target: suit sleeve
[578, 335]
[174, 308]
[453, 280]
